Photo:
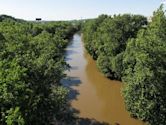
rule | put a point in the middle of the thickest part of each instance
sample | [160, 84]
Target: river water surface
[93, 95]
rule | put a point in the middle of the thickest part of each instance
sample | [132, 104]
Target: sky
[75, 9]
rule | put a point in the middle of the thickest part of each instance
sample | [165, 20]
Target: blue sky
[75, 9]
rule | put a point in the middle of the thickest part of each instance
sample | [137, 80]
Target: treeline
[106, 38]
[31, 67]
[131, 49]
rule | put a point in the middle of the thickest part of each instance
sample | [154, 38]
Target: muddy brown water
[93, 95]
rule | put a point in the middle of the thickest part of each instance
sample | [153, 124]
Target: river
[93, 95]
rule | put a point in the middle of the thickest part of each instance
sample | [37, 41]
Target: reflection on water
[95, 96]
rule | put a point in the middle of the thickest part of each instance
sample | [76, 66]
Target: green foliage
[145, 72]
[14, 117]
[126, 47]
[106, 37]
[32, 65]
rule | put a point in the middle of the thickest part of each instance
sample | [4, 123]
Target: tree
[31, 67]
[106, 37]
[145, 72]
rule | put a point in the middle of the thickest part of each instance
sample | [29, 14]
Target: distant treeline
[129, 48]
[31, 67]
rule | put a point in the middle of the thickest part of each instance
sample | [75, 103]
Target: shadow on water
[70, 82]
[71, 118]
[68, 59]
[87, 121]
[84, 121]
[74, 67]
[69, 52]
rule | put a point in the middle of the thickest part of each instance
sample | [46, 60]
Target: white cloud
[164, 2]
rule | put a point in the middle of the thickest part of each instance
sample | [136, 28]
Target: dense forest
[126, 47]
[32, 65]
[132, 49]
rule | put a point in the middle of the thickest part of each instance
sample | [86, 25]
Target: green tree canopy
[145, 72]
